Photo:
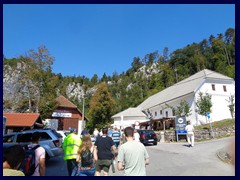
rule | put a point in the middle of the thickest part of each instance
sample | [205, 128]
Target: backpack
[86, 158]
[28, 165]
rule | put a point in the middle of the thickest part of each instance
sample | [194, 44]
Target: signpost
[210, 124]
[180, 124]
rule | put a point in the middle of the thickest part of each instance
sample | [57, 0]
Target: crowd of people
[82, 156]
[85, 158]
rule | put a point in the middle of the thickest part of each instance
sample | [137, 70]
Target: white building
[219, 86]
[129, 117]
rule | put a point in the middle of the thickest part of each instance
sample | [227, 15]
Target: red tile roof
[64, 102]
[21, 119]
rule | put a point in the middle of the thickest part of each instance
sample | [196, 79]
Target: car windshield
[66, 133]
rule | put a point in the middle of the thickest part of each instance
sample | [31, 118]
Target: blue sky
[93, 39]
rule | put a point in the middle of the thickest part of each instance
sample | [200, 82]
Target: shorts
[103, 165]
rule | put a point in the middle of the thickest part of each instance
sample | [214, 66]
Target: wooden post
[164, 124]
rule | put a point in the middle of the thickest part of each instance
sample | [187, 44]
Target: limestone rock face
[15, 89]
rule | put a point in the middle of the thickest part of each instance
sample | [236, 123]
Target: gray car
[50, 140]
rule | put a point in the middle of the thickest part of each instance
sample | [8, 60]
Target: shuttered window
[213, 87]
[225, 88]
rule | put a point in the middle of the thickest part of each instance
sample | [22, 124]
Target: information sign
[180, 124]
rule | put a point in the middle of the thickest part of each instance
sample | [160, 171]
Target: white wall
[220, 109]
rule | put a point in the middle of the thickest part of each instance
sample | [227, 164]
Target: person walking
[132, 156]
[136, 136]
[110, 131]
[86, 157]
[84, 132]
[95, 133]
[116, 137]
[40, 155]
[190, 134]
[12, 158]
[104, 146]
[100, 133]
[70, 147]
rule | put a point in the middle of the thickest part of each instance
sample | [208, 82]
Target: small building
[129, 117]
[16, 122]
[68, 115]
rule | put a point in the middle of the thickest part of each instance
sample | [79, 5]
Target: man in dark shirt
[104, 146]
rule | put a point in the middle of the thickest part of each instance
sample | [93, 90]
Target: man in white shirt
[136, 136]
[190, 134]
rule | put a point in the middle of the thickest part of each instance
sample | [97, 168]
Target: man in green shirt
[132, 156]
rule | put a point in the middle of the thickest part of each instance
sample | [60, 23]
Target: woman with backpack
[86, 157]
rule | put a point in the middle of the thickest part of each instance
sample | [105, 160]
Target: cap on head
[72, 130]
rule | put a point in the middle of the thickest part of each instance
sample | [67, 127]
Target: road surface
[172, 159]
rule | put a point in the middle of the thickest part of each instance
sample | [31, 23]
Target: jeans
[87, 172]
[71, 164]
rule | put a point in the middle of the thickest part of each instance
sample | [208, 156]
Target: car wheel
[155, 143]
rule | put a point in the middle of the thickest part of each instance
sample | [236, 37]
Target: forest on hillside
[38, 86]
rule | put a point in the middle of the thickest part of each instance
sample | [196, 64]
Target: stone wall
[170, 136]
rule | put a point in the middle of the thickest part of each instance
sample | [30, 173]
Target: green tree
[101, 106]
[229, 34]
[183, 109]
[231, 105]
[165, 54]
[104, 78]
[136, 64]
[204, 104]
[38, 81]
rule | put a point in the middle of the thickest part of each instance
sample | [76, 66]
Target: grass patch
[217, 124]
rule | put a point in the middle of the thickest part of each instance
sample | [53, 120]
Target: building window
[160, 112]
[225, 88]
[155, 113]
[166, 114]
[213, 87]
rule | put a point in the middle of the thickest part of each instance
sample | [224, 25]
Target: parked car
[50, 140]
[8, 145]
[63, 134]
[147, 137]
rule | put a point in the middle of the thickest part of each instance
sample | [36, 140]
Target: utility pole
[81, 125]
